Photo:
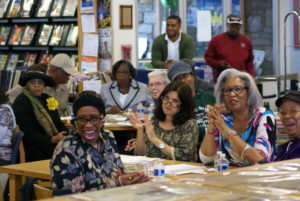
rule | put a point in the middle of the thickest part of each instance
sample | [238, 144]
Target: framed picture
[296, 24]
[126, 17]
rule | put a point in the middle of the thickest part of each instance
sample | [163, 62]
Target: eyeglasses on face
[123, 72]
[93, 120]
[173, 102]
[291, 112]
[236, 90]
[37, 82]
[155, 84]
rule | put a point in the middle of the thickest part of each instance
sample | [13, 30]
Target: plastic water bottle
[159, 171]
[217, 160]
[140, 110]
[150, 111]
[223, 163]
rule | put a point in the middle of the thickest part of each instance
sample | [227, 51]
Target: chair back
[41, 191]
[18, 148]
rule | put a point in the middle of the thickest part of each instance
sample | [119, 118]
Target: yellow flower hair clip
[52, 103]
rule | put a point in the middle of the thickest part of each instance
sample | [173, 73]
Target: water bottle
[150, 111]
[159, 171]
[217, 160]
[140, 110]
[223, 163]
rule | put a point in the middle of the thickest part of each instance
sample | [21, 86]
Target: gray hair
[254, 97]
[162, 73]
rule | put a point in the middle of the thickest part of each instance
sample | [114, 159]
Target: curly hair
[128, 64]
[187, 107]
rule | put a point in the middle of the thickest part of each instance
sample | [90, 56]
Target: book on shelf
[28, 34]
[26, 8]
[56, 35]
[3, 59]
[72, 36]
[12, 62]
[30, 59]
[45, 34]
[15, 36]
[14, 8]
[3, 7]
[70, 8]
[45, 59]
[4, 33]
[57, 8]
[20, 62]
[43, 8]
[64, 35]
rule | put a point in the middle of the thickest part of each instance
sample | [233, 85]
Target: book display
[32, 31]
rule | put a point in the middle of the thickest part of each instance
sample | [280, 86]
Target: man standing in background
[230, 49]
[172, 46]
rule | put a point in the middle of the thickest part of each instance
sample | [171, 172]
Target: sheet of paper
[92, 85]
[89, 64]
[90, 45]
[87, 6]
[203, 25]
[126, 159]
[183, 169]
[88, 23]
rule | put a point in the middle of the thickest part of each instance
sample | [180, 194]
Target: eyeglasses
[291, 112]
[37, 82]
[183, 76]
[92, 120]
[123, 72]
[236, 90]
[155, 84]
[173, 102]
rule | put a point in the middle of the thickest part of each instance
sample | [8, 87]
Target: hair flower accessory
[52, 103]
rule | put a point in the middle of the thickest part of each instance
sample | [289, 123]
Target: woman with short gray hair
[245, 132]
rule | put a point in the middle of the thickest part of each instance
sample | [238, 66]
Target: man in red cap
[230, 49]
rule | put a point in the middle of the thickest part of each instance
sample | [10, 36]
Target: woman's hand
[130, 145]
[135, 121]
[214, 116]
[55, 139]
[149, 129]
[132, 178]
[114, 110]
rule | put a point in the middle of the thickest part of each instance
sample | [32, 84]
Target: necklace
[123, 91]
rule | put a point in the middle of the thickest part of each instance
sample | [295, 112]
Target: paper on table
[179, 169]
[127, 159]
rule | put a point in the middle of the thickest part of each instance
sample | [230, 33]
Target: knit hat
[36, 72]
[178, 68]
[291, 95]
[86, 98]
[64, 62]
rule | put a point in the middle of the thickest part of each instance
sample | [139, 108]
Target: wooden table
[40, 170]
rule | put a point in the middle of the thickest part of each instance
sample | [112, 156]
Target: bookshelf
[32, 29]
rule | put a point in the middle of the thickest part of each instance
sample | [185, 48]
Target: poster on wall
[103, 13]
[105, 49]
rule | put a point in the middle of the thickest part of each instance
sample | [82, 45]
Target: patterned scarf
[41, 114]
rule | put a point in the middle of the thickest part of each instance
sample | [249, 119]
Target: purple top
[289, 150]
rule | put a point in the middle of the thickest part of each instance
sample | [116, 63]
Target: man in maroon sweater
[230, 49]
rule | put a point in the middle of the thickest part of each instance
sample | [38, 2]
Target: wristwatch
[161, 145]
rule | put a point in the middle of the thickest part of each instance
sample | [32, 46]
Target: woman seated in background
[89, 158]
[37, 115]
[125, 92]
[7, 125]
[289, 111]
[173, 132]
[247, 131]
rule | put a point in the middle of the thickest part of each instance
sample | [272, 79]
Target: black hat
[36, 72]
[291, 95]
[88, 98]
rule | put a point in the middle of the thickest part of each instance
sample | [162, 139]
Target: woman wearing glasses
[125, 92]
[37, 115]
[246, 132]
[289, 110]
[173, 132]
[89, 159]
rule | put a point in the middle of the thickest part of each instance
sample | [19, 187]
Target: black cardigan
[37, 142]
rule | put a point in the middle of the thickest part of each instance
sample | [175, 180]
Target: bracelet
[210, 133]
[228, 134]
[120, 181]
[244, 149]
